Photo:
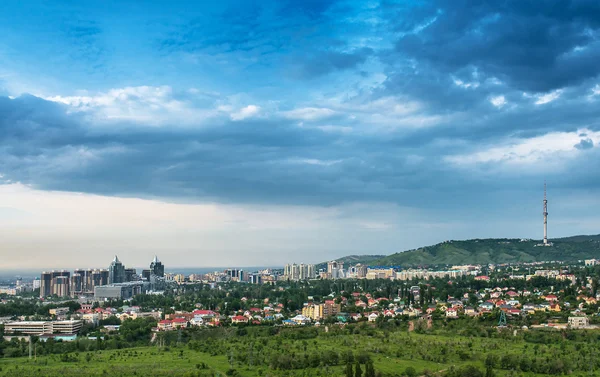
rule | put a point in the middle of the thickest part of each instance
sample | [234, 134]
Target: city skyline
[264, 133]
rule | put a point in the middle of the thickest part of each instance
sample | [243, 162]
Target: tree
[357, 370]
[349, 370]
[410, 372]
[369, 369]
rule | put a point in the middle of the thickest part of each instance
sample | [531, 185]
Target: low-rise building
[43, 327]
[121, 291]
[578, 322]
[313, 311]
[58, 311]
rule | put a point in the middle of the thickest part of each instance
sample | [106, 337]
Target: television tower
[545, 217]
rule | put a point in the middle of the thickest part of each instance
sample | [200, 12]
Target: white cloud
[309, 113]
[335, 129]
[152, 105]
[498, 101]
[249, 111]
[314, 161]
[466, 85]
[547, 98]
[596, 90]
[551, 147]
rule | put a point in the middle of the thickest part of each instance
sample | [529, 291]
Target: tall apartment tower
[46, 284]
[61, 286]
[545, 217]
[116, 272]
[335, 269]
[78, 282]
[311, 271]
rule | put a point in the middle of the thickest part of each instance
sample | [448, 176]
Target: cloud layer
[454, 109]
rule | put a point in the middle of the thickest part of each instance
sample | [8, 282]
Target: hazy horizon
[242, 133]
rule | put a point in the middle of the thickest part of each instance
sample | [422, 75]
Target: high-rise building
[46, 284]
[303, 273]
[130, 274]
[157, 268]
[233, 274]
[358, 271]
[116, 272]
[311, 271]
[77, 282]
[61, 286]
[335, 270]
[299, 272]
[98, 278]
[86, 285]
[104, 276]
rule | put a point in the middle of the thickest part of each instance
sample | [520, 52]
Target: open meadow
[313, 352]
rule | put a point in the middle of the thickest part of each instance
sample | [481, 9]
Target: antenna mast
[545, 217]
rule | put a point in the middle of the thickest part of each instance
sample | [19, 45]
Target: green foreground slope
[295, 354]
[484, 251]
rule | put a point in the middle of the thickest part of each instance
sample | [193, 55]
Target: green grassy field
[391, 353]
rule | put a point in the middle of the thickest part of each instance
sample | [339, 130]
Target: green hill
[484, 251]
[351, 260]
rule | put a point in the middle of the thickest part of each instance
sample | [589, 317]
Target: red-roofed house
[179, 322]
[239, 319]
[165, 325]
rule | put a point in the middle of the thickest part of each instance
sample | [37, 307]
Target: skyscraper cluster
[63, 284]
[83, 281]
[299, 271]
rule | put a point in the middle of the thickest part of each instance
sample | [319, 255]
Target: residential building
[313, 311]
[299, 272]
[380, 273]
[335, 270]
[358, 271]
[331, 308]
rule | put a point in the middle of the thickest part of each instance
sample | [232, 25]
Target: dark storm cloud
[252, 161]
[531, 45]
[451, 58]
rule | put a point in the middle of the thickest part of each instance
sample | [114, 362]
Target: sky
[257, 133]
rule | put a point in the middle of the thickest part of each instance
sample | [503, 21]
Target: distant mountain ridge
[497, 250]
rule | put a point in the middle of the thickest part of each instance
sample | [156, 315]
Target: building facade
[116, 272]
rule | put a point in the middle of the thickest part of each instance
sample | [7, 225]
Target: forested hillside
[351, 260]
[483, 251]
